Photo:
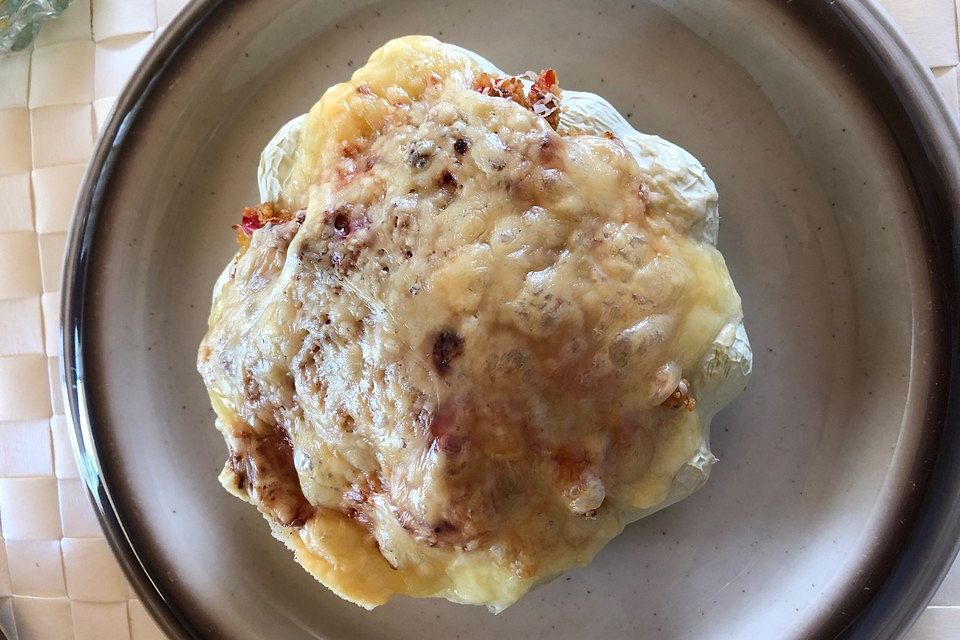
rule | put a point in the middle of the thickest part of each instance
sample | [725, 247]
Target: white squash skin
[679, 190]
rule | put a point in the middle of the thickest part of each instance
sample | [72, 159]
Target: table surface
[58, 579]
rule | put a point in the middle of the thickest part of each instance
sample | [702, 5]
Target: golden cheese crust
[453, 359]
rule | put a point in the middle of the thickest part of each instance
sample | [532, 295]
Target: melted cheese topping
[472, 349]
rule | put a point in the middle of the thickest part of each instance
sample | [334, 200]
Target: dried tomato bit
[545, 83]
[250, 222]
[509, 87]
[256, 217]
[512, 88]
[486, 84]
[544, 97]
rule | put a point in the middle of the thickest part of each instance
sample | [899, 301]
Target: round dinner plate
[834, 509]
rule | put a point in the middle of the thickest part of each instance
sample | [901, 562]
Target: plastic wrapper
[20, 21]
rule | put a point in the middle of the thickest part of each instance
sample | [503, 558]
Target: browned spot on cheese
[264, 467]
[447, 346]
[341, 219]
[551, 150]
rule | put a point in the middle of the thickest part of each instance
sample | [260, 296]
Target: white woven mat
[58, 579]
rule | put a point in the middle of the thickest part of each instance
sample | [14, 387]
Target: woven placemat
[58, 579]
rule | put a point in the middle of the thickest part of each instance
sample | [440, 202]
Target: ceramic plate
[833, 510]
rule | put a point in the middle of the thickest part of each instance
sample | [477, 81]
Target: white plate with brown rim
[833, 511]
